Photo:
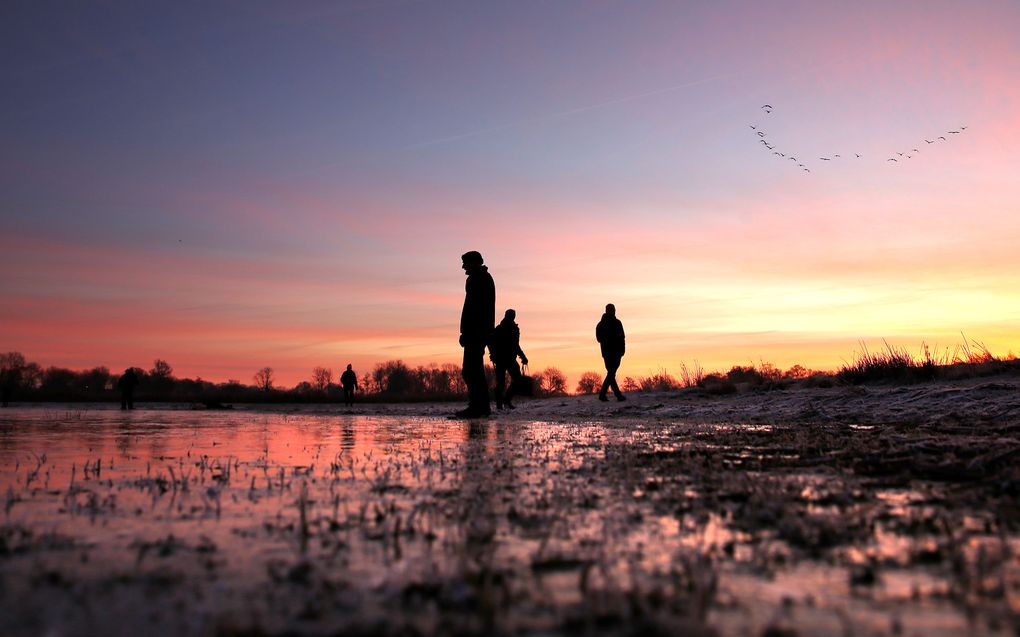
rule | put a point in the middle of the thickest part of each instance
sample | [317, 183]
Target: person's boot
[603, 398]
[510, 405]
[621, 397]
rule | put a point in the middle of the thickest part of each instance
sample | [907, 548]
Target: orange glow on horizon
[228, 225]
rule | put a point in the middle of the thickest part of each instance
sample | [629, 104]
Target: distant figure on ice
[504, 349]
[126, 384]
[609, 334]
[476, 322]
[349, 380]
[10, 378]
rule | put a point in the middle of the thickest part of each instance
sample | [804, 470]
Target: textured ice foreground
[181, 522]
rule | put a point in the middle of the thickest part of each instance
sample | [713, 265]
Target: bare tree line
[24, 380]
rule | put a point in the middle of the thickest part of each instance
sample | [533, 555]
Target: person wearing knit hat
[477, 319]
[612, 341]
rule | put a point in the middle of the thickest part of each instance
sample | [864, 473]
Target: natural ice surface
[173, 522]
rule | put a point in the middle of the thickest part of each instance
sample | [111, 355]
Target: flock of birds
[764, 140]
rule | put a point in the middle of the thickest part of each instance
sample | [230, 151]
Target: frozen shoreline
[974, 401]
[804, 509]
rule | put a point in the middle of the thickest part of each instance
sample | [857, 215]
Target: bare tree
[161, 370]
[264, 379]
[457, 386]
[554, 382]
[11, 360]
[322, 378]
[797, 371]
[589, 383]
[367, 384]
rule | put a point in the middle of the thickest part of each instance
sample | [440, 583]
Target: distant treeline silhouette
[390, 381]
[393, 380]
[695, 377]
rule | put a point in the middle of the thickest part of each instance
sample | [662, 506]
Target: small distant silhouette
[126, 384]
[349, 380]
[504, 349]
[476, 324]
[609, 334]
[10, 378]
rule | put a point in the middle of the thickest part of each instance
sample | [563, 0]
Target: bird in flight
[824, 159]
[753, 127]
[916, 151]
[954, 132]
[892, 159]
[858, 154]
[767, 108]
[806, 170]
[837, 155]
[963, 128]
[930, 141]
[942, 138]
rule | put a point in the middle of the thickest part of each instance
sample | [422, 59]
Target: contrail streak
[566, 113]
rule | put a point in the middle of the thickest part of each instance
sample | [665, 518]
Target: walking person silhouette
[476, 323]
[503, 351]
[609, 334]
[126, 384]
[349, 380]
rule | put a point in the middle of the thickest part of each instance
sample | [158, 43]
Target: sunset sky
[234, 185]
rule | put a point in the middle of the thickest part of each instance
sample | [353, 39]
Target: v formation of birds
[764, 140]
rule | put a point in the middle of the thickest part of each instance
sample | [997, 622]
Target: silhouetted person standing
[476, 322]
[609, 334]
[504, 350]
[126, 384]
[349, 380]
[10, 379]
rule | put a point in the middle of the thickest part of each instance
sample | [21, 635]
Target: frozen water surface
[305, 521]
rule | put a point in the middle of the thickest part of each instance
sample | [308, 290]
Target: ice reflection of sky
[235, 502]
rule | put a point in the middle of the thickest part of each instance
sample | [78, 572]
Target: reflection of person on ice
[349, 380]
[504, 349]
[476, 321]
[609, 334]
